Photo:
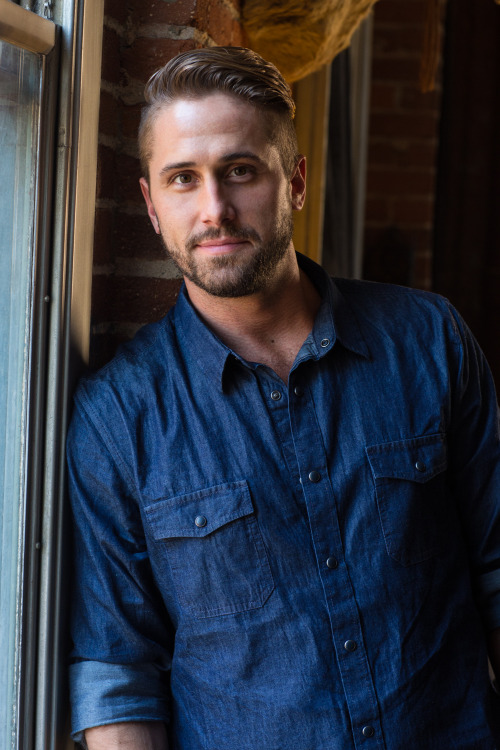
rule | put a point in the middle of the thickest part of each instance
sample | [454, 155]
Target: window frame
[27, 31]
[66, 182]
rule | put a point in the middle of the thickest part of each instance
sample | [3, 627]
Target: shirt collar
[335, 321]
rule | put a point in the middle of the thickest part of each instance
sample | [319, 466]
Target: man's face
[218, 194]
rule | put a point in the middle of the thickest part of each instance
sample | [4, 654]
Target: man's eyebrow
[236, 155]
[177, 165]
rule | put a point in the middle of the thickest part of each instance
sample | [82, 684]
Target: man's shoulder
[388, 313]
[137, 365]
[360, 290]
[372, 298]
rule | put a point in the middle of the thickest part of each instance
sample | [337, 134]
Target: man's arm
[132, 735]
[122, 635]
[494, 652]
[475, 467]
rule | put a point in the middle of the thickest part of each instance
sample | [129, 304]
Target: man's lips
[222, 244]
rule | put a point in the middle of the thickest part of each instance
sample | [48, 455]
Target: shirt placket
[323, 512]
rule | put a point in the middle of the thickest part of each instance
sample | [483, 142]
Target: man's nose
[216, 206]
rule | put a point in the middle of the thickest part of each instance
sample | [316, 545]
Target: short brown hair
[236, 71]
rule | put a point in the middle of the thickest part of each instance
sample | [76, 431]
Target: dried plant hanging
[300, 36]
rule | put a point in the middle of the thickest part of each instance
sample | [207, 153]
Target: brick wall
[403, 144]
[133, 281]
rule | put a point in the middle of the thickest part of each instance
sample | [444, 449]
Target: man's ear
[149, 203]
[298, 184]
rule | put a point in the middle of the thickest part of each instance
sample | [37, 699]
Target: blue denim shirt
[306, 566]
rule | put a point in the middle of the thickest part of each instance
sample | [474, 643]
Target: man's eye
[240, 171]
[183, 179]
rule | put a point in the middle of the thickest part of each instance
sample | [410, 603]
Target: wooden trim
[25, 29]
[89, 87]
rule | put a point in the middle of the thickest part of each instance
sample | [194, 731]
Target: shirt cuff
[489, 599]
[110, 693]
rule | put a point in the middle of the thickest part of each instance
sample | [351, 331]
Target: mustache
[214, 233]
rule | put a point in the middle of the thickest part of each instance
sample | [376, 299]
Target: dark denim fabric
[301, 566]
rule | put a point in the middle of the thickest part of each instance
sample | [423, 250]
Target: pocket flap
[199, 513]
[416, 459]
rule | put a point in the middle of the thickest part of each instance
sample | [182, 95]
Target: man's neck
[268, 327]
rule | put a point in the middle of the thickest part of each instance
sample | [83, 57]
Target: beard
[235, 275]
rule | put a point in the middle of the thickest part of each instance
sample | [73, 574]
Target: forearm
[147, 735]
[494, 652]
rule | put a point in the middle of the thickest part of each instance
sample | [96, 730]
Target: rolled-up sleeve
[109, 693]
[122, 635]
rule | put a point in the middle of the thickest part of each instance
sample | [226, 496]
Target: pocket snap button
[200, 521]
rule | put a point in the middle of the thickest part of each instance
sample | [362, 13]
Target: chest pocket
[214, 548]
[412, 496]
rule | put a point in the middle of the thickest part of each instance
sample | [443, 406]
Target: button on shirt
[306, 566]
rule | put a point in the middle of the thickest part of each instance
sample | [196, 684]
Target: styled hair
[235, 71]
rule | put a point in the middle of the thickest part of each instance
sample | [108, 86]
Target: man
[286, 492]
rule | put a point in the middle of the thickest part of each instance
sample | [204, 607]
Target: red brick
[127, 176]
[396, 69]
[413, 211]
[136, 238]
[104, 245]
[177, 13]
[116, 9]
[110, 56]
[404, 154]
[400, 12]
[238, 36]
[374, 226]
[216, 19]
[409, 97]
[402, 125]
[422, 238]
[132, 300]
[376, 210]
[383, 96]
[145, 55]
[106, 166]
[422, 272]
[109, 111]
[131, 116]
[372, 235]
[399, 182]
[398, 41]
[389, 255]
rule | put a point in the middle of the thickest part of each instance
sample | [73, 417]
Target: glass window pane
[20, 85]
